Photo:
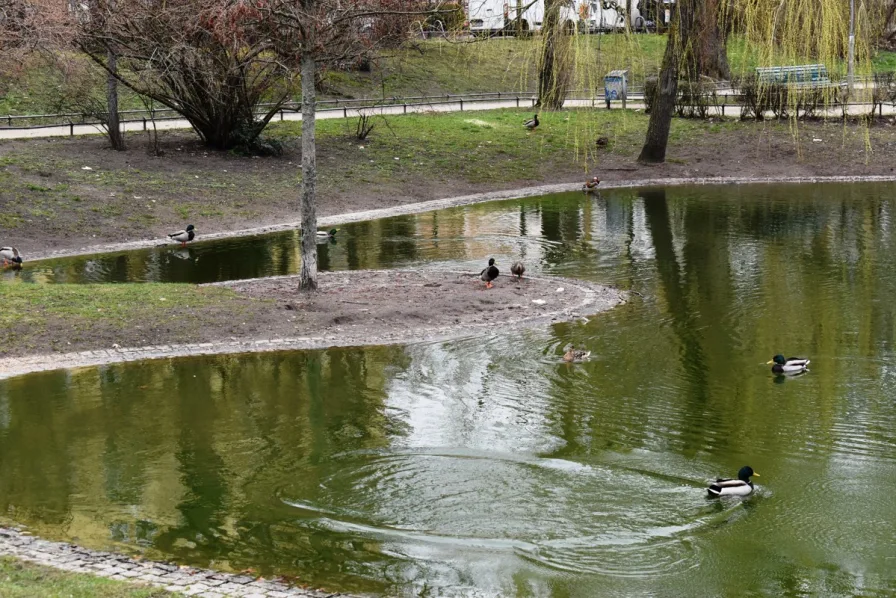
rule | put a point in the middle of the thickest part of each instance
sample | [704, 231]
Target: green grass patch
[482, 147]
[118, 304]
[884, 61]
[19, 579]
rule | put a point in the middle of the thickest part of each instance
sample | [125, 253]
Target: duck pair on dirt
[491, 272]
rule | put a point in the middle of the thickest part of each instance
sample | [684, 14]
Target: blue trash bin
[616, 87]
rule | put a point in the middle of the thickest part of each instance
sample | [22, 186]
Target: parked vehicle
[499, 17]
[614, 15]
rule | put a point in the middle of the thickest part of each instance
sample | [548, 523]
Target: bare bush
[209, 60]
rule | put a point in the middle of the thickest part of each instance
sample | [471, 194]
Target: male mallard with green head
[182, 236]
[742, 486]
[489, 273]
[532, 123]
[11, 256]
[326, 235]
[791, 365]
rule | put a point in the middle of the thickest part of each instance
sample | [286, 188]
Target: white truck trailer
[496, 17]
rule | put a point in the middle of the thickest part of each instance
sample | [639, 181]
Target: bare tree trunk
[113, 127]
[654, 150]
[309, 176]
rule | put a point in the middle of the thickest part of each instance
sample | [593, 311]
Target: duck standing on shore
[182, 236]
[11, 256]
[517, 269]
[489, 273]
[591, 186]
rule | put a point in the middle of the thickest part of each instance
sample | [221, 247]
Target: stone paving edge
[190, 581]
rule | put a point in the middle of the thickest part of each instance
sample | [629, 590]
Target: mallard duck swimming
[591, 186]
[489, 273]
[791, 365]
[573, 354]
[326, 234]
[517, 269]
[10, 255]
[742, 486]
[532, 123]
[182, 236]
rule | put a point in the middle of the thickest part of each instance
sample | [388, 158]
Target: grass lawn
[41, 318]
[19, 579]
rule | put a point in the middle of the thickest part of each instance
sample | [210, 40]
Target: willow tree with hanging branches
[554, 58]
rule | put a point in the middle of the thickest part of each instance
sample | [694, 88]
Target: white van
[493, 17]
[486, 17]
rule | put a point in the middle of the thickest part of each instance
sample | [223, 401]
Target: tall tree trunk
[710, 53]
[113, 127]
[553, 63]
[654, 150]
[309, 176]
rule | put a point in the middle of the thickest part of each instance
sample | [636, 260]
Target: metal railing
[725, 96]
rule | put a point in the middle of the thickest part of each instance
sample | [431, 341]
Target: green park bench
[807, 75]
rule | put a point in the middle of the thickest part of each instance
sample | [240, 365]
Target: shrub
[695, 98]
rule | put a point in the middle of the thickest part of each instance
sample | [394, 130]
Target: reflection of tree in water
[203, 508]
[684, 317]
[35, 458]
[399, 244]
[561, 223]
[299, 409]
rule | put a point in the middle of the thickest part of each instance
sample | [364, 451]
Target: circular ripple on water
[465, 506]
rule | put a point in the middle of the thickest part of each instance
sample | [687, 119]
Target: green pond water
[485, 466]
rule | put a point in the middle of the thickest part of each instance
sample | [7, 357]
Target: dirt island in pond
[352, 308]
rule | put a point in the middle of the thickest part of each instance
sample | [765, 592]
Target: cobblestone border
[597, 298]
[189, 581]
[463, 200]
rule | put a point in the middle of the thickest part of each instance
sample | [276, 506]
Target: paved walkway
[460, 105]
[189, 581]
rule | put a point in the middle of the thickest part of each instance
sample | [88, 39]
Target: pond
[485, 466]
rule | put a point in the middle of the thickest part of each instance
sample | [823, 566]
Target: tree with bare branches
[209, 60]
[30, 26]
[322, 34]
